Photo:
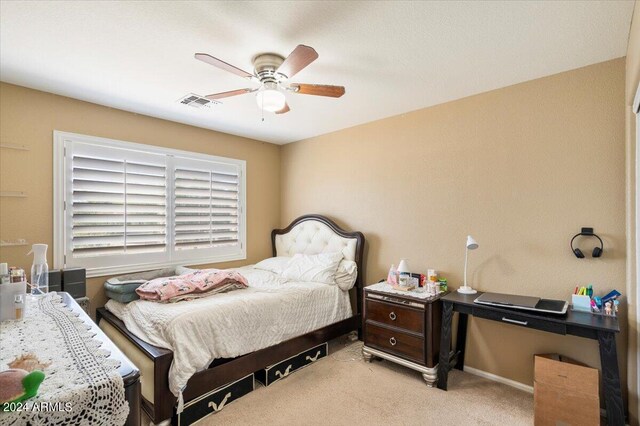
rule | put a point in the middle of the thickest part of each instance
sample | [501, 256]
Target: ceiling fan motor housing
[265, 66]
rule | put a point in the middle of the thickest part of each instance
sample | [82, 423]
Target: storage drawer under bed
[270, 375]
[213, 401]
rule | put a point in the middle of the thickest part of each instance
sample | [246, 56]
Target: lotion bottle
[392, 278]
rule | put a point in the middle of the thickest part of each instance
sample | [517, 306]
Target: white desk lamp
[471, 245]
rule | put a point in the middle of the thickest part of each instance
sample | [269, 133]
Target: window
[123, 207]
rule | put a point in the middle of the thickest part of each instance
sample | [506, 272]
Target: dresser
[403, 327]
[86, 380]
[129, 372]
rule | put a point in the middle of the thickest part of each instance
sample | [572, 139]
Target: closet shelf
[15, 146]
[19, 194]
[13, 243]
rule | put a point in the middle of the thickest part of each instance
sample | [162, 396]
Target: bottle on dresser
[5, 278]
[432, 276]
[13, 283]
[392, 277]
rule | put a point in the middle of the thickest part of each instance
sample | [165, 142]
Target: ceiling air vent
[196, 101]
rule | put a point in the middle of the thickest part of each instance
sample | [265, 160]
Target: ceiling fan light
[271, 100]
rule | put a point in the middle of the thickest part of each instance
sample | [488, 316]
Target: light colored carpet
[342, 389]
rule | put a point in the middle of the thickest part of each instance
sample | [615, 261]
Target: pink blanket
[197, 284]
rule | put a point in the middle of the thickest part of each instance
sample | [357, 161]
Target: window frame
[61, 175]
[636, 111]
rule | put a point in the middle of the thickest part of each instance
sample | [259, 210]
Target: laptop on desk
[528, 303]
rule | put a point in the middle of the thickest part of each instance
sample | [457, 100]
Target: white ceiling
[393, 57]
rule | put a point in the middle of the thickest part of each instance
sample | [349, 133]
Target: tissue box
[7, 295]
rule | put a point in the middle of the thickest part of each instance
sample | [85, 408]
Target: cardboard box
[565, 392]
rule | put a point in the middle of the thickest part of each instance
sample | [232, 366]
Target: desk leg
[445, 345]
[461, 340]
[611, 378]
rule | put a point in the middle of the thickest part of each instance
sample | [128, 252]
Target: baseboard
[499, 379]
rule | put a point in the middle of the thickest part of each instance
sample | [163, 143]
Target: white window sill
[119, 270]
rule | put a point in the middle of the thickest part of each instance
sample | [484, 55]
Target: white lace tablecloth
[82, 385]
[387, 288]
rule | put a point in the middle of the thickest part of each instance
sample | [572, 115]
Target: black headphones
[587, 232]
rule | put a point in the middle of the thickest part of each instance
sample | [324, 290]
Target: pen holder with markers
[580, 303]
[606, 306]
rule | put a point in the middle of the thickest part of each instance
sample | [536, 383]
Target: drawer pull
[312, 359]
[216, 407]
[286, 372]
[393, 341]
[515, 321]
[393, 316]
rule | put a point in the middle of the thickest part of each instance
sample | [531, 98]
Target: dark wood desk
[129, 372]
[582, 324]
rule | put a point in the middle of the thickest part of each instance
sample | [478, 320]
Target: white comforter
[231, 324]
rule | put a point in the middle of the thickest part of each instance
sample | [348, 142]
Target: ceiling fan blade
[222, 65]
[318, 90]
[229, 93]
[298, 59]
[284, 109]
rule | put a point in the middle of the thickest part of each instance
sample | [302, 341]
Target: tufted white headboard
[314, 237]
[314, 234]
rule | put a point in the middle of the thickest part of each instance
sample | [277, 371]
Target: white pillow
[346, 274]
[183, 270]
[319, 268]
[273, 264]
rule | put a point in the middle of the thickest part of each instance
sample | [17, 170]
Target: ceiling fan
[273, 72]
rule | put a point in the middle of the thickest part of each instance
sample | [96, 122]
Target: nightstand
[403, 327]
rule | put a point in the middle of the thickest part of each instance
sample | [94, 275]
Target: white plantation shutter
[129, 207]
[207, 208]
[116, 206]
[97, 206]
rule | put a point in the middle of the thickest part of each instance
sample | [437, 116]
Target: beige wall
[520, 168]
[632, 81]
[28, 117]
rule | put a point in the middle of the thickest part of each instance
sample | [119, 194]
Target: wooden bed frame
[223, 371]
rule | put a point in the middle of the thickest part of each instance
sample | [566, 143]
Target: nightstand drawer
[395, 342]
[394, 315]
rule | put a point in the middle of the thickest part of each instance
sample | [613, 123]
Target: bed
[332, 314]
